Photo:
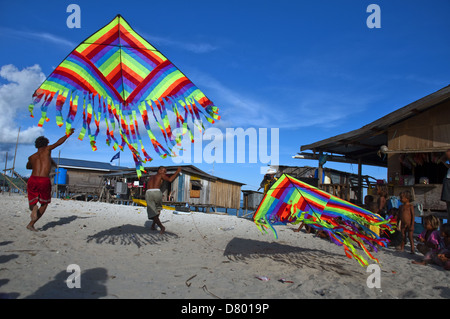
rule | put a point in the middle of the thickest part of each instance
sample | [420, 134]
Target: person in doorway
[153, 195]
[382, 200]
[39, 186]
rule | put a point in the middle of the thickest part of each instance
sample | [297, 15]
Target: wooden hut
[80, 178]
[338, 183]
[408, 142]
[192, 187]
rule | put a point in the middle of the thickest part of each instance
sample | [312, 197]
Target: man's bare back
[41, 162]
[155, 181]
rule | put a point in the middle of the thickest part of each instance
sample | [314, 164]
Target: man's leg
[36, 214]
[402, 244]
[33, 216]
[160, 225]
[411, 241]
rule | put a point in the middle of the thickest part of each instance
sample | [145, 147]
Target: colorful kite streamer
[292, 201]
[114, 73]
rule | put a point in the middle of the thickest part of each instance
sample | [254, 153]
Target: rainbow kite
[116, 75]
[292, 201]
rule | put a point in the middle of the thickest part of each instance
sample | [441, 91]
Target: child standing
[406, 220]
[429, 238]
[382, 200]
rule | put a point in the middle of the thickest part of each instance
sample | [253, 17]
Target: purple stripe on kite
[314, 193]
[103, 82]
[277, 208]
[129, 86]
[155, 81]
[274, 209]
[93, 71]
[65, 81]
[105, 50]
[286, 195]
[184, 89]
[315, 207]
[140, 57]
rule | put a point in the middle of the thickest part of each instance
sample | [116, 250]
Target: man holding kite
[39, 186]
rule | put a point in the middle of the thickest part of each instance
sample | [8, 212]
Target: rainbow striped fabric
[292, 201]
[116, 75]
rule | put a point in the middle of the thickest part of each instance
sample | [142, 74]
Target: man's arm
[411, 209]
[61, 140]
[171, 178]
[29, 166]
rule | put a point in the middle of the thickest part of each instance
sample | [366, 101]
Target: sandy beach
[201, 256]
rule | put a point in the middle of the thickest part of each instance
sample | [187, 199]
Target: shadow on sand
[131, 235]
[62, 221]
[244, 250]
[92, 286]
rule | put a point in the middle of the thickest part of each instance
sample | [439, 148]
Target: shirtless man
[39, 186]
[153, 195]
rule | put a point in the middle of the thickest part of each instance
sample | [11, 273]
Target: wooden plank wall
[185, 189]
[215, 193]
[84, 177]
[426, 131]
[226, 194]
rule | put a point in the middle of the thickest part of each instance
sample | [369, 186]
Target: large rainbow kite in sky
[292, 201]
[116, 75]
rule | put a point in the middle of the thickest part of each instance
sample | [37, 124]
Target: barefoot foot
[31, 227]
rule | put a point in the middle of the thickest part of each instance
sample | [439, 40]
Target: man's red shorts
[39, 190]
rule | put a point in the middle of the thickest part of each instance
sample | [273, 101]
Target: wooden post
[57, 175]
[320, 172]
[6, 163]
[15, 153]
[360, 201]
[12, 184]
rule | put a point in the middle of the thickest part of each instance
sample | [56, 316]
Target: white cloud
[15, 96]
[38, 35]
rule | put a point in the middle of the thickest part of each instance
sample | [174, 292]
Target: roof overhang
[363, 145]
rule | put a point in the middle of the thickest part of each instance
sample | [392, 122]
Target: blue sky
[313, 69]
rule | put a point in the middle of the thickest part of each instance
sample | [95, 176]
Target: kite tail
[60, 100]
[48, 98]
[95, 105]
[292, 201]
[73, 108]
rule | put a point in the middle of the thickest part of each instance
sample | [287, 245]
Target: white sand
[120, 257]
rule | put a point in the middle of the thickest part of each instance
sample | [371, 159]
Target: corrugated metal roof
[87, 165]
[189, 169]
